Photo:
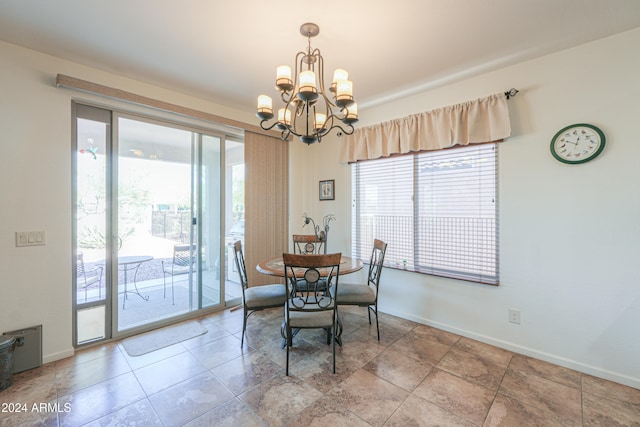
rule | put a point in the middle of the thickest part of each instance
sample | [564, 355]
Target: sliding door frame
[111, 268]
[100, 115]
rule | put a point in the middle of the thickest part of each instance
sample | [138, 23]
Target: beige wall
[569, 235]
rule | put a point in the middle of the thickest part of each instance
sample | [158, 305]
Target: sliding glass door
[168, 221]
[158, 235]
[91, 225]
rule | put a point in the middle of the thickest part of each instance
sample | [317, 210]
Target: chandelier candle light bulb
[283, 78]
[284, 117]
[339, 75]
[265, 107]
[344, 94]
[320, 121]
[352, 113]
[308, 89]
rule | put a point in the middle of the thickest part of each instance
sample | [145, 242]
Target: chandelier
[308, 112]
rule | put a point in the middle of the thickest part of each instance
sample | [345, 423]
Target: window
[437, 211]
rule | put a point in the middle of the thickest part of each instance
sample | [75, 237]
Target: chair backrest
[184, 255]
[87, 277]
[376, 262]
[80, 270]
[238, 255]
[309, 244]
[314, 271]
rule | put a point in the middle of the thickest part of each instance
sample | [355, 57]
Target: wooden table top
[275, 266]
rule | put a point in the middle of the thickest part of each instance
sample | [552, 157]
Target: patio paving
[149, 281]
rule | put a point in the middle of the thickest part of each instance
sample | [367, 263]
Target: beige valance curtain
[472, 122]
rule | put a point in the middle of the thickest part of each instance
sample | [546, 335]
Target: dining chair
[183, 262]
[87, 277]
[255, 298]
[309, 244]
[366, 294]
[312, 307]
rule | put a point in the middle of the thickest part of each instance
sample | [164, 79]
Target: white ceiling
[226, 51]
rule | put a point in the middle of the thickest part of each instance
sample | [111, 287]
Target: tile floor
[415, 376]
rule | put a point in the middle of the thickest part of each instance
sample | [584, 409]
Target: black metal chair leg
[173, 296]
[333, 349]
[288, 347]
[244, 328]
[377, 324]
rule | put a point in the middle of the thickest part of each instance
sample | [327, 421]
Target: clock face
[577, 143]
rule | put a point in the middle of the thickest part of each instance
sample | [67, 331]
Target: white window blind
[436, 210]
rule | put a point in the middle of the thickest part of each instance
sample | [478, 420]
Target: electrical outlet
[514, 316]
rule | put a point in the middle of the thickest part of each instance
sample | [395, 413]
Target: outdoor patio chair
[88, 277]
[183, 262]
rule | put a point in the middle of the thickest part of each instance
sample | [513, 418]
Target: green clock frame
[590, 156]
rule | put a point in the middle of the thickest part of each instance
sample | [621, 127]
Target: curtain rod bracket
[511, 93]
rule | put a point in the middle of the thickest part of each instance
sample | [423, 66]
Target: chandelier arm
[333, 117]
[291, 130]
[263, 126]
[330, 104]
[283, 94]
[348, 131]
[320, 60]
[298, 66]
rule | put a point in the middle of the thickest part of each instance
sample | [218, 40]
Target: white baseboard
[52, 357]
[526, 351]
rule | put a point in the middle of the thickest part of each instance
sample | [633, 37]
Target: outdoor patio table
[132, 263]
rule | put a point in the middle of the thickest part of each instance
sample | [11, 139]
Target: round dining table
[275, 266]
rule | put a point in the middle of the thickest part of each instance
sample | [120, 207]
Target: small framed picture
[327, 190]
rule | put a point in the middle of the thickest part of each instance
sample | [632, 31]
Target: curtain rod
[511, 93]
[121, 95]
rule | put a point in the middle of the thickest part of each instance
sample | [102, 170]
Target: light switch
[30, 238]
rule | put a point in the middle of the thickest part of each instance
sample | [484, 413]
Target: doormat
[155, 340]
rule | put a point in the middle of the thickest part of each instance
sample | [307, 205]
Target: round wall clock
[577, 143]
